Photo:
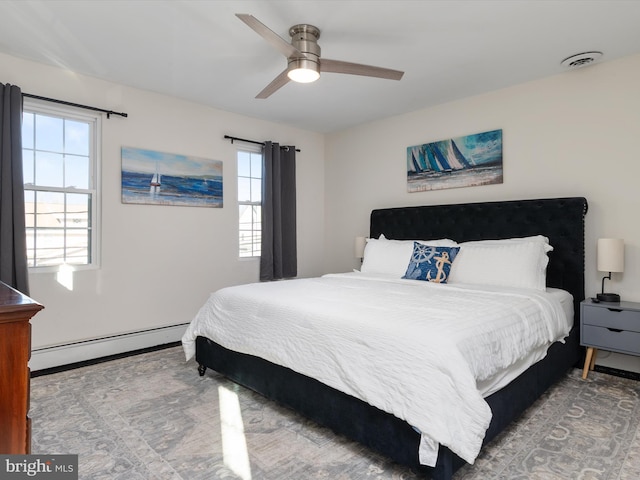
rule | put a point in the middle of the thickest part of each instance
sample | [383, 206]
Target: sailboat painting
[466, 161]
[157, 178]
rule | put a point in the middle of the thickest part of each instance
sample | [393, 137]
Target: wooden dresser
[16, 310]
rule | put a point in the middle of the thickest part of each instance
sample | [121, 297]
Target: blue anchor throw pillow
[432, 264]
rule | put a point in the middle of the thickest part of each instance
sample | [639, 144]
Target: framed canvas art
[157, 178]
[458, 162]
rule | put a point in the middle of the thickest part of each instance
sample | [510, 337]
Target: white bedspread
[411, 348]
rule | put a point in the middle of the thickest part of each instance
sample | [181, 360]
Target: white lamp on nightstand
[610, 259]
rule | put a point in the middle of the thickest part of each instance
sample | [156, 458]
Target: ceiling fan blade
[338, 66]
[275, 85]
[275, 40]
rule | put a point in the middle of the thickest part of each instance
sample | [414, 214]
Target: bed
[560, 219]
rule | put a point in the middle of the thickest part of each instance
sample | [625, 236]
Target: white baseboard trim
[49, 357]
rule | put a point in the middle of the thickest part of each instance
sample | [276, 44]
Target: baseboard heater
[66, 354]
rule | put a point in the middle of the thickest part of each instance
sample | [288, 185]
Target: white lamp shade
[610, 255]
[303, 75]
[359, 247]
[303, 70]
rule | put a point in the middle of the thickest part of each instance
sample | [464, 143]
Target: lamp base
[608, 297]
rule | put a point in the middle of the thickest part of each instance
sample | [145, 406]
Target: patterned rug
[151, 416]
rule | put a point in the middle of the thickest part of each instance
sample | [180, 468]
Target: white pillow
[535, 238]
[391, 257]
[520, 264]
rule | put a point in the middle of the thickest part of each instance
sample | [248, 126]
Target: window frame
[94, 119]
[252, 151]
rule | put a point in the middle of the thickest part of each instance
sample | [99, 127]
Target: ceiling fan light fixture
[303, 57]
[303, 70]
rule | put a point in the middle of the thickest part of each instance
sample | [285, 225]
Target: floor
[151, 416]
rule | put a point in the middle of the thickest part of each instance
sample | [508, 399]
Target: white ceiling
[199, 50]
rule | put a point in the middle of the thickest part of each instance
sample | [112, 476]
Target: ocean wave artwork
[467, 161]
[158, 178]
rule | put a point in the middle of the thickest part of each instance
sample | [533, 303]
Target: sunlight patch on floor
[234, 444]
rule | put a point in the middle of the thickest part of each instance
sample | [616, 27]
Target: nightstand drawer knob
[616, 330]
[615, 309]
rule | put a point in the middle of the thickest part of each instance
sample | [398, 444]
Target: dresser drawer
[613, 318]
[622, 341]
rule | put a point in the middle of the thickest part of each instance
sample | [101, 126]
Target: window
[60, 161]
[250, 202]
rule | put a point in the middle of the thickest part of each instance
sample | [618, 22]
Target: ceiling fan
[303, 57]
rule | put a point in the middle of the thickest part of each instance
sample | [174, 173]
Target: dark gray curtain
[13, 241]
[279, 256]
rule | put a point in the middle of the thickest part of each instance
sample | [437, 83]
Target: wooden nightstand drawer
[612, 317]
[622, 341]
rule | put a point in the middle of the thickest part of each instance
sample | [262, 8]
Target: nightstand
[609, 326]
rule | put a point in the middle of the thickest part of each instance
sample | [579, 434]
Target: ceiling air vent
[581, 59]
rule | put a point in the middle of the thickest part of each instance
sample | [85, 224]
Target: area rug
[151, 416]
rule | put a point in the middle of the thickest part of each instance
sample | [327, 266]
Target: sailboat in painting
[442, 165]
[156, 182]
[456, 153]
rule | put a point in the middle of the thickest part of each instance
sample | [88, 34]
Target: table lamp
[610, 258]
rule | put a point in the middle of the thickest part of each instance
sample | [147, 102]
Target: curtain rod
[86, 107]
[229, 137]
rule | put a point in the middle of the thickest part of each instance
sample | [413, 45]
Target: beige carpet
[151, 416]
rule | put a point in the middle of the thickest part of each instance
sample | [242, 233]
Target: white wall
[159, 263]
[574, 134]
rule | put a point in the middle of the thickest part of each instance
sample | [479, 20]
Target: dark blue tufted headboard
[560, 219]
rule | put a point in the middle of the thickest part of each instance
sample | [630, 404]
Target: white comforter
[411, 348]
